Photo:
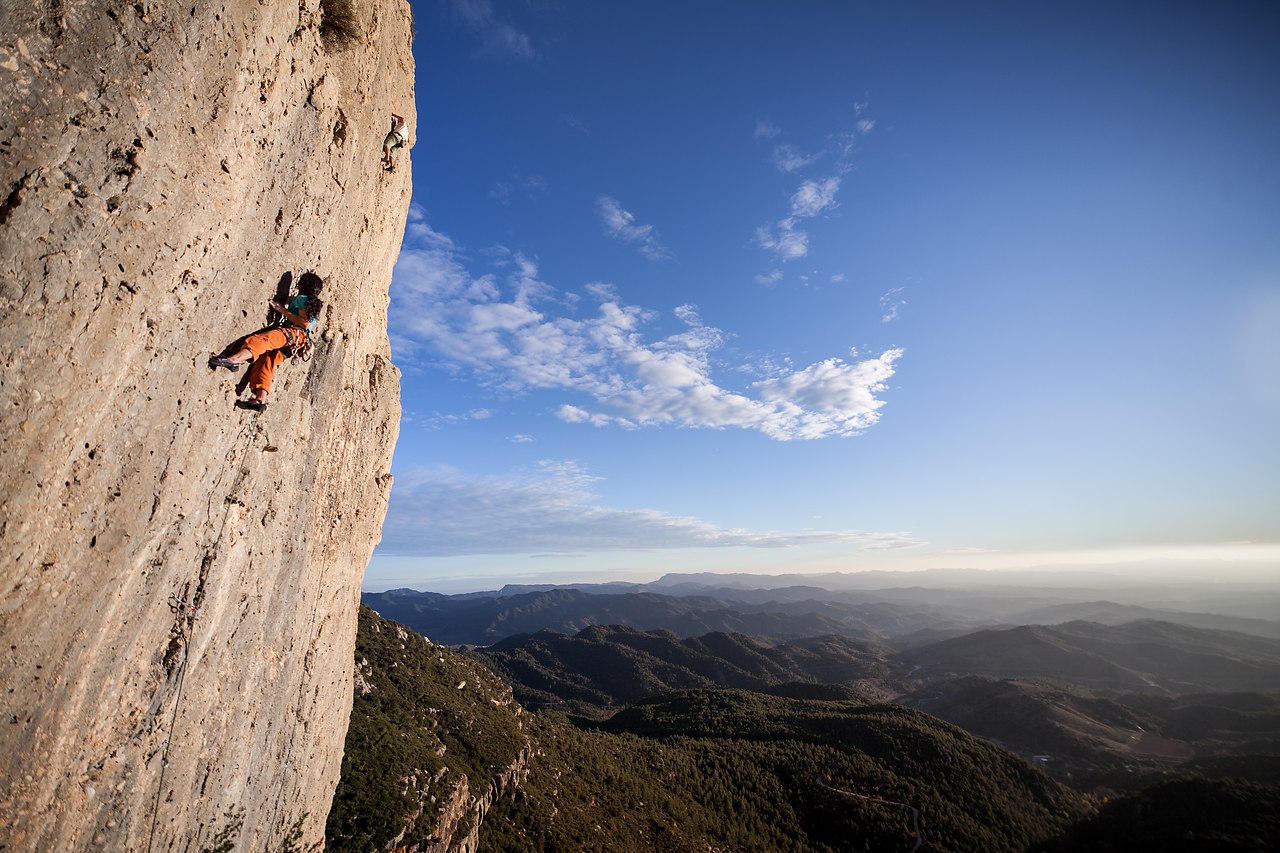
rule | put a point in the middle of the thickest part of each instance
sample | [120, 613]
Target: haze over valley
[829, 713]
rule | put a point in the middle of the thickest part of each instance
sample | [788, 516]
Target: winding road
[915, 812]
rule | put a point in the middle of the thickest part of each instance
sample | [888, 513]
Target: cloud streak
[891, 302]
[622, 224]
[497, 37]
[554, 508]
[787, 239]
[514, 333]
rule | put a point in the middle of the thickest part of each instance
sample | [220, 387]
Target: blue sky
[814, 286]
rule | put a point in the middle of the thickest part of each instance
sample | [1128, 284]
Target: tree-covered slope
[1181, 816]
[430, 729]
[440, 757]
[603, 667]
[737, 770]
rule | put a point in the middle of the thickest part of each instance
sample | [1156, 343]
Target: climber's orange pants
[268, 354]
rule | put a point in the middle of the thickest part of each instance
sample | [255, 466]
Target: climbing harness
[299, 347]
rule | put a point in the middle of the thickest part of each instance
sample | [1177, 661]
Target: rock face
[458, 823]
[179, 578]
[436, 740]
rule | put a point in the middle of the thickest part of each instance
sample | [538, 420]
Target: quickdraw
[299, 346]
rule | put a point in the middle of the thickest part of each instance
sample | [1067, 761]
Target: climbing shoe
[219, 361]
[252, 405]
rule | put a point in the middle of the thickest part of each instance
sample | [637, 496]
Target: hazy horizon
[1186, 577]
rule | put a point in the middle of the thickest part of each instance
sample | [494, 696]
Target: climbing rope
[178, 607]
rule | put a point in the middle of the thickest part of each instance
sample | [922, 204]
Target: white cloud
[554, 508]
[621, 223]
[497, 37]
[787, 159]
[771, 277]
[507, 334]
[833, 395]
[814, 197]
[438, 421]
[890, 303]
[786, 241]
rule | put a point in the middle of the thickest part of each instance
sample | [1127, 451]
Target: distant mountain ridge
[904, 615]
[477, 620]
[1138, 656]
[602, 667]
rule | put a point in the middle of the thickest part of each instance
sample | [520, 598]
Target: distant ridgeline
[899, 617]
[725, 741]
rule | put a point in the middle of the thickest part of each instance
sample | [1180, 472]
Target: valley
[887, 734]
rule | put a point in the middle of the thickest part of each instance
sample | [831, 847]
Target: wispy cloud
[554, 508]
[766, 129]
[513, 332]
[787, 159]
[864, 125]
[890, 303]
[439, 421]
[621, 223]
[527, 186]
[814, 197]
[498, 38]
[787, 239]
[576, 122]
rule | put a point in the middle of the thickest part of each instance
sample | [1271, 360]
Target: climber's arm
[296, 319]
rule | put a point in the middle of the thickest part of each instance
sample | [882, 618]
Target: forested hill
[440, 757]
[603, 667]
[694, 771]
[736, 770]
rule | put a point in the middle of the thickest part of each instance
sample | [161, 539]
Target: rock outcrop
[436, 741]
[179, 577]
[458, 823]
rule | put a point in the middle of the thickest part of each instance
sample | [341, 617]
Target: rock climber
[267, 349]
[397, 138]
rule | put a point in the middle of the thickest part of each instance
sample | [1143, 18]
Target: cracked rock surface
[179, 578]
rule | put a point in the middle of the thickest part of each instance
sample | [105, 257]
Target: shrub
[339, 22]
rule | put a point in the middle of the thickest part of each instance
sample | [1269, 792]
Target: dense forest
[649, 741]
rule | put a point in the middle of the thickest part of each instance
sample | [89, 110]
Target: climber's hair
[310, 285]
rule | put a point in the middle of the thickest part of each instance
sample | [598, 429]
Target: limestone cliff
[180, 578]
